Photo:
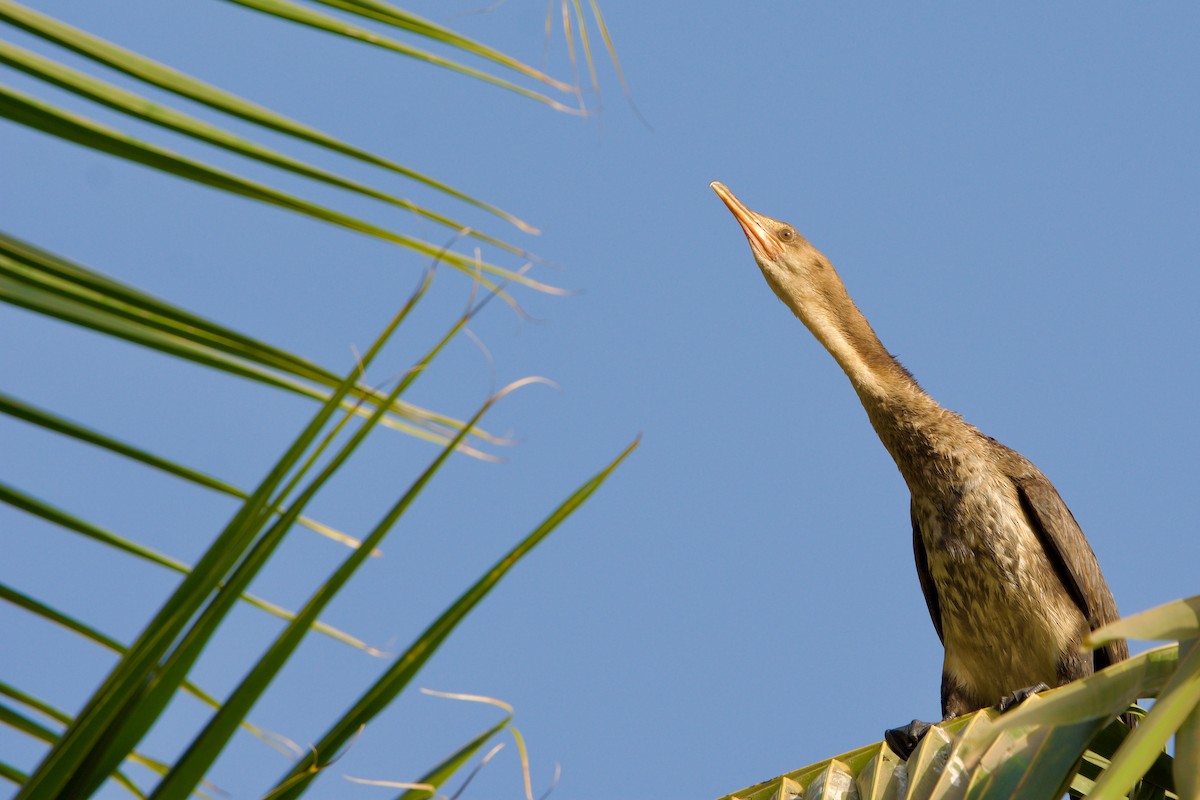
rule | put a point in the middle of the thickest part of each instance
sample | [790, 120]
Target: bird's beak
[762, 242]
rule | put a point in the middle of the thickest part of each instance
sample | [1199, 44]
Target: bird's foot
[1019, 696]
[904, 740]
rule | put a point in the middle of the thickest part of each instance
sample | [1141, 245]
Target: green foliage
[88, 748]
[1068, 738]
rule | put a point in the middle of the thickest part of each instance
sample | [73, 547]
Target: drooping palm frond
[41, 115]
[45, 283]
[104, 739]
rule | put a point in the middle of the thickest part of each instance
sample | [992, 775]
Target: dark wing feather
[927, 587]
[1067, 548]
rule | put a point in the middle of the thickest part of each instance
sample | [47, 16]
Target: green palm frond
[31, 112]
[78, 128]
[1065, 739]
[134, 105]
[406, 666]
[86, 631]
[164, 77]
[40, 281]
[42, 418]
[103, 738]
[36, 507]
[295, 12]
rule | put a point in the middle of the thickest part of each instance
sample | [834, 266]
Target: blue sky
[1011, 196]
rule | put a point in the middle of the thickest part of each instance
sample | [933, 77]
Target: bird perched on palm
[1010, 581]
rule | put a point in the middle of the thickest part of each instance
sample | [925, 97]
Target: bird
[1009, 579]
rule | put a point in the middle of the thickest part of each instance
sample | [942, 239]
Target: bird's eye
[786, 234]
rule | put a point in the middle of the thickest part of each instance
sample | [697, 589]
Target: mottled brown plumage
[1011, 583]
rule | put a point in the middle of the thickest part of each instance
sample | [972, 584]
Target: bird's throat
[910, 424]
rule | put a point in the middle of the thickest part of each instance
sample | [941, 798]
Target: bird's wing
[1068, 550]
[927, 587]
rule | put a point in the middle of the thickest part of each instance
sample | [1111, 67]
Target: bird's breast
[1006, 619]
[1005, 616]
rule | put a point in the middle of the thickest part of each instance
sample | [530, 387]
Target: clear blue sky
[1012, 197]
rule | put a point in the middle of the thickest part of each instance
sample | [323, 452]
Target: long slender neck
[916, 431]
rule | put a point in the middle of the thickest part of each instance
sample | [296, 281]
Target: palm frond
[105, 735]
[406, 666]
[1067, 738]
[171, 80]
[40, 281]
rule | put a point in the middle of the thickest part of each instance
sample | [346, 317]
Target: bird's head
[809, 285]
[798, 273]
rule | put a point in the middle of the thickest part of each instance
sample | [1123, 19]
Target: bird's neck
[917, 432]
